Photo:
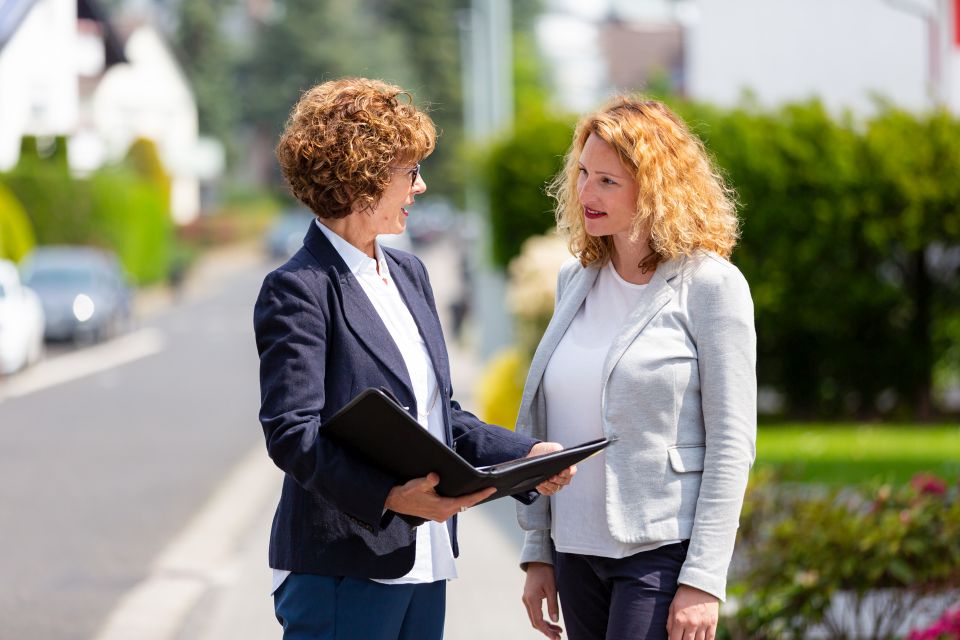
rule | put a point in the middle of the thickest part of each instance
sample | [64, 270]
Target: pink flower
[946, 627]
[928, 484]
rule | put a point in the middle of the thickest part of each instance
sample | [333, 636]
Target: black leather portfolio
[380, 430]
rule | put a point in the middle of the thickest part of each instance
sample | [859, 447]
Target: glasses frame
[414, 174]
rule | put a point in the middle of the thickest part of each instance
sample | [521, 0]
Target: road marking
[201, 557]
[117, 352]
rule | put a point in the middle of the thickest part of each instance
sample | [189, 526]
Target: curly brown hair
[683, 199]
[343, 140]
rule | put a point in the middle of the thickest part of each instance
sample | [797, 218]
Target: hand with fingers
[693, 615]
[541, 585]
[419, 497]
[559, 481]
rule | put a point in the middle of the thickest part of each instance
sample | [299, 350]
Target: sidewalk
[483, 602]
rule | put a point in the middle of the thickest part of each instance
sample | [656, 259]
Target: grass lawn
[850, 453]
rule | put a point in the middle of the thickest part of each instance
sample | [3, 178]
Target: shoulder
[707, 271]
[302, 276]
[568, 270]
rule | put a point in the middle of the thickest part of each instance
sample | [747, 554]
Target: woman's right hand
[540, 585]
[419, 498]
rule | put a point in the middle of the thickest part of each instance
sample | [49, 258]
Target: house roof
[13, 13]
[112, 43]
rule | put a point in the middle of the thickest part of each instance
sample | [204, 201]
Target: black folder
[376, 427]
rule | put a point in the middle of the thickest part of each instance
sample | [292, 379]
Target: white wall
[38, 77]
[785, 50]
[149, 97]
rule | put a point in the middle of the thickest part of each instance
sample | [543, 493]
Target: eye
[607, 181]
[581, 170]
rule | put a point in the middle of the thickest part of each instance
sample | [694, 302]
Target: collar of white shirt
[357, 261]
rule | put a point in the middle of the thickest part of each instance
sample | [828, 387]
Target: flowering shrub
[533, 287]
[881, 553]
[530, 294]
[946, 627]
[501, 385]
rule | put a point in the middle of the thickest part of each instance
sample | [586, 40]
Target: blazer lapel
[659, 294]
[358, 311]
[573, 296]
[423, 316]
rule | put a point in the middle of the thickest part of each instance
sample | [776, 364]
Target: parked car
[83, 291]
[21, 322]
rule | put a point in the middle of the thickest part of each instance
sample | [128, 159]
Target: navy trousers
[618, 598]
[311, 607]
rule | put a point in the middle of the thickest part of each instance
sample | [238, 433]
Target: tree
[210, 62]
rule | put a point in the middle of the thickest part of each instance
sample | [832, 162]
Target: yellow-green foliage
[16, 234]
[144, 159]
[501, 386]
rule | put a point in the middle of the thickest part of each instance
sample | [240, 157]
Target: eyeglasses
[414, 173]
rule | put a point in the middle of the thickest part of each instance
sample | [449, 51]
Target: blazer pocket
[687, 457]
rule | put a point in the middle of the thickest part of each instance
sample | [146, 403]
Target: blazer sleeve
[722, 319]
[478, 442]
[291, 328]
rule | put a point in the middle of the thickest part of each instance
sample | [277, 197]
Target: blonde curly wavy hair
[683, 200]
[344, 140]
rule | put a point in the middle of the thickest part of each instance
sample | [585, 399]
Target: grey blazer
[679, 401]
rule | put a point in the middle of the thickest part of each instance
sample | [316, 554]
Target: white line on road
[201, 556]
[49, 373]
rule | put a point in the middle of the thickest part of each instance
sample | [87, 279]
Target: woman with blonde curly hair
[356, 552]
[651, 345]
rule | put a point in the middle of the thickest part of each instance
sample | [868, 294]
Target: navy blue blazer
[321, 342]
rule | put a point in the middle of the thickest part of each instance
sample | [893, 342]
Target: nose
[582, 191]
[419, 185]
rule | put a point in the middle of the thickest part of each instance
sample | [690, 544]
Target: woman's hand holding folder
[418, 497]
[559, 481]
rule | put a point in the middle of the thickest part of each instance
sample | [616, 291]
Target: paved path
[233, 603]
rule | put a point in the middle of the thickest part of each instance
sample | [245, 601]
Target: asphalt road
[98, 472]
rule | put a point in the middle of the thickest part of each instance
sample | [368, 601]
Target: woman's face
[607, 191]
[390, 214]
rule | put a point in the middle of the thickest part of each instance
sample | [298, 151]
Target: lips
[593, 214]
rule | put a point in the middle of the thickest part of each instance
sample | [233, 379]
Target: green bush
[516, 171]
[16, 234]
[130, 216]
[802, 550]
[848, 229]
[124, 208]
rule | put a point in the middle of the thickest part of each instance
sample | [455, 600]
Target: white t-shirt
[434, 552]
[572, 388]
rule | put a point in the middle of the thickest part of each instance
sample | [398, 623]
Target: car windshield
[60, 277]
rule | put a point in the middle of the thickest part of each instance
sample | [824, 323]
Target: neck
[352, 229]
[631, 259]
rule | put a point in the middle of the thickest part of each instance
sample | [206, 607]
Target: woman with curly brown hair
[355, 552]
[651, 345]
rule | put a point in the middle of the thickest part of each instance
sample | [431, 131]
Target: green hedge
[851, 244]
[124, 207]
[516, 170]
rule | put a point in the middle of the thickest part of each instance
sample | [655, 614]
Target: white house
[149, 97]
[844, 52]
[38, 72]
[65, 70]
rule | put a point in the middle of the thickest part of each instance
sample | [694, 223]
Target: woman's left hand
[693, 615]
[559, 481]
